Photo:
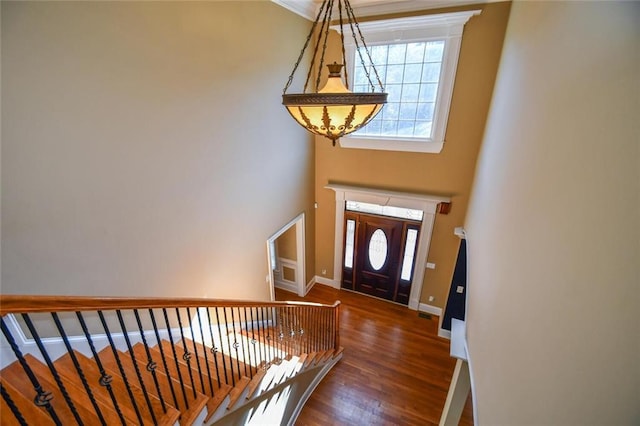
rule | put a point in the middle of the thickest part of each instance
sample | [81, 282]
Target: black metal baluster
[284, 321]
[224, 362]
[120, 368]
[236, 344]
[324, 329]
[164, 361]
[304, 329]
[321, 332]
[43, 398]
[265, 338]
[293, 320]
[256, 351]
[151, 364]
[334, 328]
[294, 327]
[12, 406]
[105, 379]
[315, 330]
[291, 329]
[53, 370]
[320, 347]
[278, 332]
[125, 334]
[175, 358]
[195, 350]
[187, 355]
[214, 349]
[76, 364]
[245, 341]
[226, 324]
[280, 321]
[206, 358]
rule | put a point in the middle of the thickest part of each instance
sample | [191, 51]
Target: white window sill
[393, 144]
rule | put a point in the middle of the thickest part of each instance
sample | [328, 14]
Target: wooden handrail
[10, 304]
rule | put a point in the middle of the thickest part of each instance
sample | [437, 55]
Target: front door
[379, 255]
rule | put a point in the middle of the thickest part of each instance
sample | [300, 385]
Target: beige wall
[144, 147]
[287, 244]
[449, 173]
[554, 240]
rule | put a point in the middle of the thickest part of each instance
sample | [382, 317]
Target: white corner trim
[305, 8]
[430, 309]
[444, 333]
[309, 285]
[327, 281]
[460, 232]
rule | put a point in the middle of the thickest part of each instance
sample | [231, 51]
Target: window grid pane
[409, 253]
[410, 73]
[348, 246]
[392, 211]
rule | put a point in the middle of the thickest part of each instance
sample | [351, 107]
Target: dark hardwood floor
[395, 369]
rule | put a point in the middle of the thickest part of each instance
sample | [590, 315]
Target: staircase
[162, 362]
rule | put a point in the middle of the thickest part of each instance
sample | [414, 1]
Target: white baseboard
[433, 310]
[327, 281]
[286, 285]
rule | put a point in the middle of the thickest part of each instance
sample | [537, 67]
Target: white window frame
[444, 26]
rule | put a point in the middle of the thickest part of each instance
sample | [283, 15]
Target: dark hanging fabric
[456, 302]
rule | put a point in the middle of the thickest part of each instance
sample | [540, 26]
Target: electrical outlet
[460, 289]
[324, 272]
[431, 298]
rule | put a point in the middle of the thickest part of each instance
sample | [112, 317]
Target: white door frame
[299, 223]
[427, 203]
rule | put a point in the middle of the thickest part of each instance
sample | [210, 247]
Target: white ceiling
[308, 8]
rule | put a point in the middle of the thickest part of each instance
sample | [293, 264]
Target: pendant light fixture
[334, 111]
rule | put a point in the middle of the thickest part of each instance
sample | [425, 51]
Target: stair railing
[220, 342]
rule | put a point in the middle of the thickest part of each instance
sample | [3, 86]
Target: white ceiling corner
[305, 8]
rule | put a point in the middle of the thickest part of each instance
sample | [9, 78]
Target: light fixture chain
[325, 21]
[344, 53]
[324, 45]
[352, 21]
[306, 44]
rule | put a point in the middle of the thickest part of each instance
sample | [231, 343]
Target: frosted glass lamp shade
[334, 111]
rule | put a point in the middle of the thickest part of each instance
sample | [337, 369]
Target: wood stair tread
[255, 382]
[29, 411]
[238, 391]
[233, 367]
[189, 409]
[121, 392]
[216, 392]
[14, 374]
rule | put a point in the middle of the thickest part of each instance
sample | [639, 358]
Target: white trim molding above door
[427, 203]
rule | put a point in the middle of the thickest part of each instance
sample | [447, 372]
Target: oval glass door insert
[378, 249]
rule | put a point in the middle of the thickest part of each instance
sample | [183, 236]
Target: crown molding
[305, 8]
[309, 8]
